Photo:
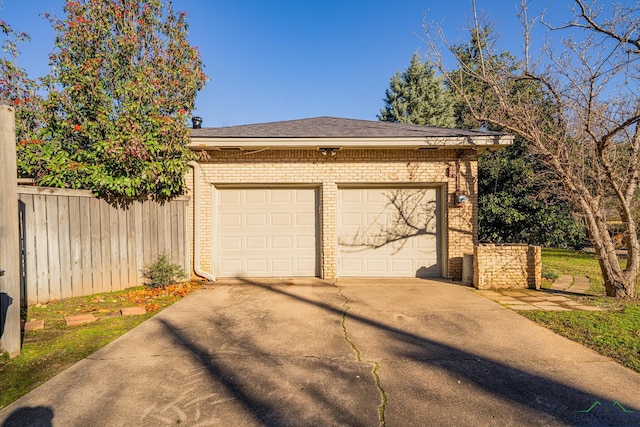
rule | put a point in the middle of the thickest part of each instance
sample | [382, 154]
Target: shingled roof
[306, 132]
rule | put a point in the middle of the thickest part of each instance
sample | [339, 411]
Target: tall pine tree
[417, 95]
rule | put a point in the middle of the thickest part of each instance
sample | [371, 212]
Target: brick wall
[347, 167]
[506, 266]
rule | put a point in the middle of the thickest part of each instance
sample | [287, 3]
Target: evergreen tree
[417, 95]
[518, 202]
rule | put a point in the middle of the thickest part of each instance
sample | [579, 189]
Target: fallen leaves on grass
[143, 296]
[151, 307]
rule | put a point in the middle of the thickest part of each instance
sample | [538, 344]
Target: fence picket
[114, 243]
[85, 230]
[123, 260]
[96, 247]
[64, 245]
[75, 244]
[53, 244]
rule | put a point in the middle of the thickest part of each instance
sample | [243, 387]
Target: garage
[329, 197]
[389, 232]
[267, 232]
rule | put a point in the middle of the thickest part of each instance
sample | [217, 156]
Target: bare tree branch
[573, 110]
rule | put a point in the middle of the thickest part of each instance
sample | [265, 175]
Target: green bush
[162, 272]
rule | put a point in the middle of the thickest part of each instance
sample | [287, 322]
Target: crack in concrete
[376, 365]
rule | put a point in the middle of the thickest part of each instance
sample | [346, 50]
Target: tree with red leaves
[124, 79]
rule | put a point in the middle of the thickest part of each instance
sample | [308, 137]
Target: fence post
[9, 240]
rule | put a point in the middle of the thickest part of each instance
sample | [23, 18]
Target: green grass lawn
[614, 332]
[51, 350]
[556, 262]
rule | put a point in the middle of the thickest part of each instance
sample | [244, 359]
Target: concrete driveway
[361, 353]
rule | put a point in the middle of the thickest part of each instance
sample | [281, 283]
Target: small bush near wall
[507, 266]
[162, 272]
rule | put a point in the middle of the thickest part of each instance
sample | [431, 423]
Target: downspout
[196, 224]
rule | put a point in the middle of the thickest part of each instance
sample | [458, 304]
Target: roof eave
[484, 141]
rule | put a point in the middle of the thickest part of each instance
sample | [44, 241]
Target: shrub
[162, 272]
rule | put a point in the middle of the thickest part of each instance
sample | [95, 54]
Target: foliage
[17, 88]
[517, 205]
[162, 272]
[518, 201]
[417, 95]
[576, 116]
[124, 79]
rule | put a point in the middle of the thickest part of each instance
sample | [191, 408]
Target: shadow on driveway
[287, 356]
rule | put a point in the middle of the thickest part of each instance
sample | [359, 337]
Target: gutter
[196, 224]
[412, 143]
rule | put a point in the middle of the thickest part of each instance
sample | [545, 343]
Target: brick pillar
[534, 266]
[328, 212]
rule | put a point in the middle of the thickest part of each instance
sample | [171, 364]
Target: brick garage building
[328, 197]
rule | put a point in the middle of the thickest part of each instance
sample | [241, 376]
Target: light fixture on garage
[460, 197]
[329, 151]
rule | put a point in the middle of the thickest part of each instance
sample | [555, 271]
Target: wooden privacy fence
[74, 244]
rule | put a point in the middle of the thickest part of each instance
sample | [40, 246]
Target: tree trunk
[617, 285]
[618, 282]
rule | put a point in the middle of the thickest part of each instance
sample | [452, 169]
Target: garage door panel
[392, 233]
[256, 264]
[283, 265]
[255, 242]
[305, 219]
[231, 243]
[401, 265]
[375, 220]
[305, 264]
[376, 197]
[282, 197]
[426, 245]
[257, 196]
[351, 219]
[376, 265]
[305, 242]
[351, 266]
[350, 197]
[230, 197]
[303, 196]
[255, 220]
[230, 220]
[281, 219]
[282, 242]
[230, 264]
[267, 232]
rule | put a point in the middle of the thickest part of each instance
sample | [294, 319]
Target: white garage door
[266, 232]
[388, 232]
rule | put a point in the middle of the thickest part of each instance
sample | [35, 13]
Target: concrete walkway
[557, 298]
[576, 285]
[362, 353]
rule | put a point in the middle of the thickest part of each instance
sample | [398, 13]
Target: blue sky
[271, 60]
